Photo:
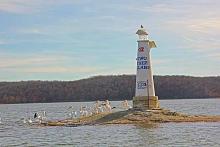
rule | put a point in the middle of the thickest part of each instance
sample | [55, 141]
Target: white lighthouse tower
[144, 93]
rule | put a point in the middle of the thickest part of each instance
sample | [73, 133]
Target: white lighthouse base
[143, 103]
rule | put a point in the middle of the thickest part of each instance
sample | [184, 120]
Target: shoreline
[135, 117]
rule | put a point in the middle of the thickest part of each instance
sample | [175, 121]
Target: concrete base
[141, 102]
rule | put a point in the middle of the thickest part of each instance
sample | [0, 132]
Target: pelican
[107, 106]
[84, 111]
[101, 109]
[39, 117]
[81, 111]
[75, 113]
[107, 102]
[95, 110]
[125, 105]
[90, 111]
[44, 115]
[30, 121]
[24, 120]
[70, 115]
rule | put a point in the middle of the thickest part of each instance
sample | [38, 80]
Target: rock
[135, 117]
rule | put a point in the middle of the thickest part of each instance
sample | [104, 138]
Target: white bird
[39, 117]
[125, 105]
[108, 107]
[86, 112]
[89, 111]
[96, 110]
[100, 109]
[30, 121]
[44, 115]
[83, 111]
[24, 120]
[70, 114]
[75, 114]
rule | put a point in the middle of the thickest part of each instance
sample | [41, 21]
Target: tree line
[106, 87]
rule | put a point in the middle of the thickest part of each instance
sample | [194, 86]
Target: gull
[83, 111]
[24, 120]
[44, 113]
[30, 121]
[107, 106]
[95, 110]
[100, 109]
[44, 117]
[75, 113]
[125, 105]
[90, 111]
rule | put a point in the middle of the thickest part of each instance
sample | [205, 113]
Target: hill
[106, 87]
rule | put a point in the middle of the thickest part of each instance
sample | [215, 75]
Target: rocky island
[136, 117]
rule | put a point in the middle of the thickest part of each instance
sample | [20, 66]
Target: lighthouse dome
[141, 31]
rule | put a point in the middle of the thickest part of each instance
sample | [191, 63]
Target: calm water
[14, 133]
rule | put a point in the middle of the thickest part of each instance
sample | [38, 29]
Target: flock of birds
[97, 108]
[39, 117]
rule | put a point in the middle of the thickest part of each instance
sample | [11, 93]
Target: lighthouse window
[142, 84]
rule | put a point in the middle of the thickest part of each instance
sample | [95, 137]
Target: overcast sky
[74, 39]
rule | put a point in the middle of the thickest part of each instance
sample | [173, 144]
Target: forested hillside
[106, 87]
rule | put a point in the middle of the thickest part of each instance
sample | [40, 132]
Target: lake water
[14, 133]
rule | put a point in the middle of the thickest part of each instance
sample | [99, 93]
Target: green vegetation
[106, 87]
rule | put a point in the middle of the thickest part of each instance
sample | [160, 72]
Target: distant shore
[111, 101]
[113, 88]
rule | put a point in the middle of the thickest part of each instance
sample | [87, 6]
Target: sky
[75, 39]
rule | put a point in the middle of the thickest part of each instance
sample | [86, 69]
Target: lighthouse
[145, 98]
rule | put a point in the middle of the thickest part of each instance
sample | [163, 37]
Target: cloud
[153, 8]
[18, 6]
[9, 61]
[30, 6]
[32, 31]
[179, 27]
[215, 55]
[59, 69]
[44, 64]
[201, 35]
[2, 42]
[197, 28]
